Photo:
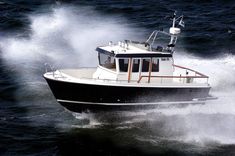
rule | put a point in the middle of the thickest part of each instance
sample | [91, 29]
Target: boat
[131, 75]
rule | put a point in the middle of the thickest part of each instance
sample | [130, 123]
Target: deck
[182, 77]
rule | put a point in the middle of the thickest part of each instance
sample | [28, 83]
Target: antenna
[174, 31]
[173, 25]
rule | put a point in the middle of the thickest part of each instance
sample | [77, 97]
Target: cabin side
[133, 67]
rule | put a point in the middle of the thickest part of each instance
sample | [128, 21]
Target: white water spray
[66, 37]
[214, 121]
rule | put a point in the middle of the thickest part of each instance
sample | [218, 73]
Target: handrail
[51, 68]
[205, 76]
[164, 76]
[170, 77]
[54, 72]
[156, 31]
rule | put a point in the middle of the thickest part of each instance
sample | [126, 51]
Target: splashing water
[215, 120]
[66, 37]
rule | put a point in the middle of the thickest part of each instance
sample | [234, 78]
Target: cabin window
[123, 65]
[145, 65]
[136, 65]
[107, 61]
[155, 65]
[165, 59]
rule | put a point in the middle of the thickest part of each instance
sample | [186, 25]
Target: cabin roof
[132, 50]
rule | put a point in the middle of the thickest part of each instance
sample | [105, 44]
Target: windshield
[107, 61]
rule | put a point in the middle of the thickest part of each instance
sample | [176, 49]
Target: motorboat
[131, 75]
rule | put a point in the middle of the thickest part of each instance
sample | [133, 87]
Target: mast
[175, 31]
[173, 24]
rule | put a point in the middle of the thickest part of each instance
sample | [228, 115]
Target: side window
[107, 61]
[145, 65]
[136, 65]
[102, 59]
[155, 65]
[123, 65]
[165, 59]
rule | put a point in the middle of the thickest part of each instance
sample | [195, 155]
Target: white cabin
[130, 60]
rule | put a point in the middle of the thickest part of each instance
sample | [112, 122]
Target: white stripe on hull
[132, 104]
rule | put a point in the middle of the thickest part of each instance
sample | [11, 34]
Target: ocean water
[66, 33]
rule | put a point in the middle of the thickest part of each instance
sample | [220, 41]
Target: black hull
[88, 97]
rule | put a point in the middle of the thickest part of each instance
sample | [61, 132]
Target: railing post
[129, 69]
[139, 79]
[150, 70]
[140, 70]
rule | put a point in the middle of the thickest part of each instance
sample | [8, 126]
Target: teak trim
[129, 69]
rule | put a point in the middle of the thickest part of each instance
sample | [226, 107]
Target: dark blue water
[65, 34]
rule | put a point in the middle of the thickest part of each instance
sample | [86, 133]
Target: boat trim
[132, 104]
[100, 50]
[124, 55]
[100, 82]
